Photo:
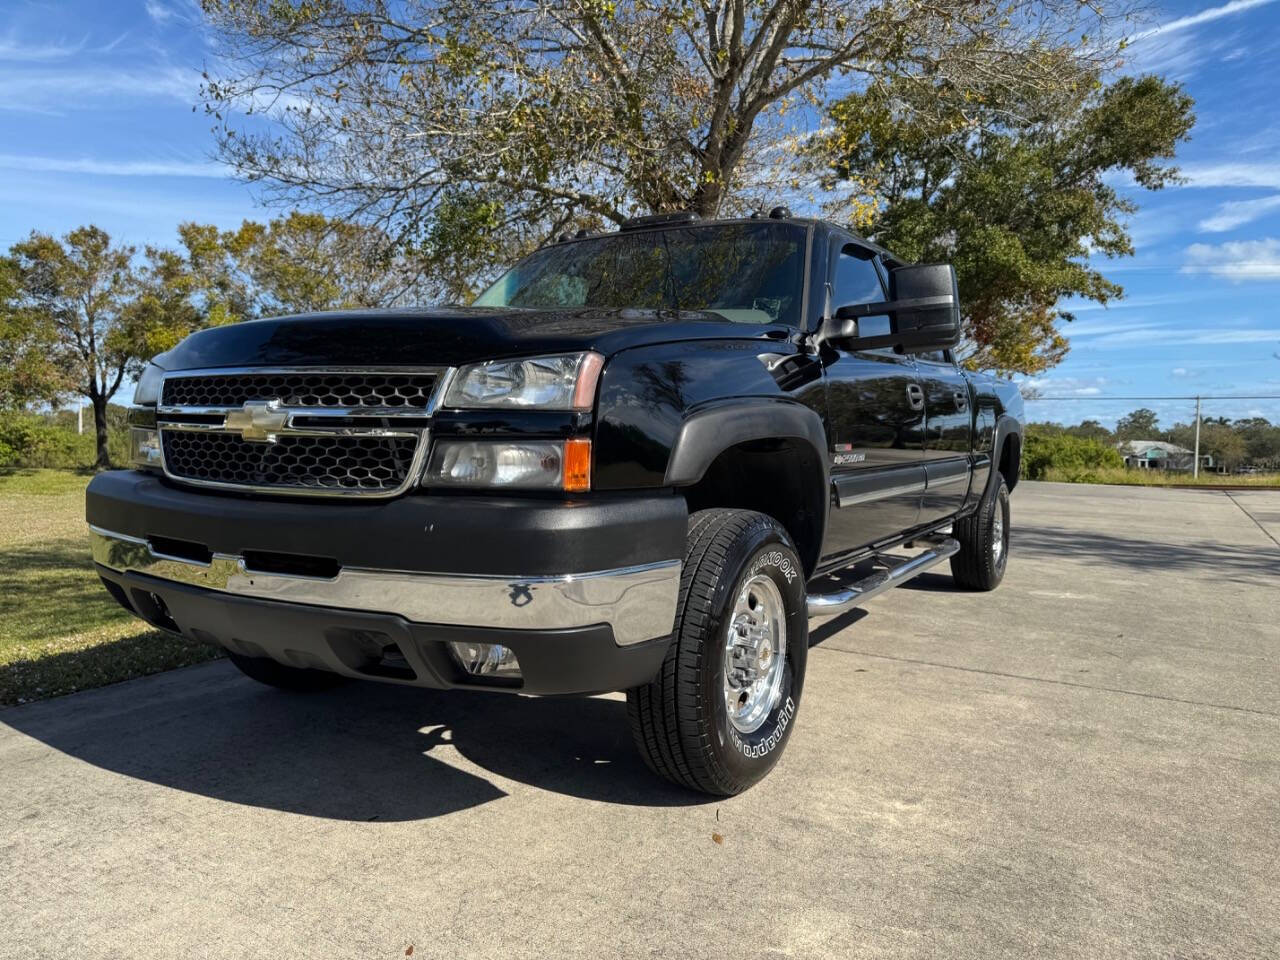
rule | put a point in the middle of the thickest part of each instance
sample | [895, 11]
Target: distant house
[1160, 455]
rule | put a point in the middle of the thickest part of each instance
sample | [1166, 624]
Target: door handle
[962, 399]
[915, 396]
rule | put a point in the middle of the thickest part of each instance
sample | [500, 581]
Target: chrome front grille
[301, 389]
[359, 464]
[301, 431]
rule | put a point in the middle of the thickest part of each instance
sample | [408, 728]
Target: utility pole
[79, 416]
[1195, 465]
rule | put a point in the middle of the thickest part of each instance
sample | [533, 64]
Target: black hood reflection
[445, 336]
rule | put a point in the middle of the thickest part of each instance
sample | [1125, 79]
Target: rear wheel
[275, 674]
[984, 542]
[718, 715]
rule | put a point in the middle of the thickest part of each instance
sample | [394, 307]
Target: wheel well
[1011, 459]
[782, 478]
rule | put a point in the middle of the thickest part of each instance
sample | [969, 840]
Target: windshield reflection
[746, 272]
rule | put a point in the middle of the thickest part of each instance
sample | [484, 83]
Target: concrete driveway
[1085, 763]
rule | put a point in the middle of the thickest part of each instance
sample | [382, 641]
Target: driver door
[876, 417]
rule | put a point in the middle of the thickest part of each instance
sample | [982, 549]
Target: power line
[1192, 397]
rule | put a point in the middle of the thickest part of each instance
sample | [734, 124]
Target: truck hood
[446, 336]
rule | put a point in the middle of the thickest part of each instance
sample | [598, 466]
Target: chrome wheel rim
[997, 535]
[755, 654]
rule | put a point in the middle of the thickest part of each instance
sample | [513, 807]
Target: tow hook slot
[187, 551]
[291, 564]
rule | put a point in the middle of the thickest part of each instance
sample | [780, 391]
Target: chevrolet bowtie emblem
[257, 420]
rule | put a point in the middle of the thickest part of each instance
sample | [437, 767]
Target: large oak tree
[472, 129]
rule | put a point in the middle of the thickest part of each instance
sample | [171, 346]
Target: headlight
[526, 465]
[147, 393]
[144, 448]
[542, 383]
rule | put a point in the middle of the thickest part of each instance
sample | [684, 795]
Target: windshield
[746, 272]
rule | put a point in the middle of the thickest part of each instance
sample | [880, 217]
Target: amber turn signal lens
[577, 465]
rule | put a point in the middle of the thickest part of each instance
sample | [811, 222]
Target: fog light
[485, 659]
[144, 448]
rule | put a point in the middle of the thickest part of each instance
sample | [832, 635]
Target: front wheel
[719, 713]
[984, 542]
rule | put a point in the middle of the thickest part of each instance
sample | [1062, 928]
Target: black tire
[275, 674]
[979, 565]
[680, 720]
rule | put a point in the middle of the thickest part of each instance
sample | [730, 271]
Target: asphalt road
[1085, 763]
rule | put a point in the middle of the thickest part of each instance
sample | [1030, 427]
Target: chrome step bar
[855, 595]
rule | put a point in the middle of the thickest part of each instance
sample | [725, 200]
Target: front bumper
[596, 620]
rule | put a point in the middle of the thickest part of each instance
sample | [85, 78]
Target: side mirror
[923, 309]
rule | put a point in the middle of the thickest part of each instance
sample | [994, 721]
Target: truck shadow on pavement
[1223, 561]
[361, 752]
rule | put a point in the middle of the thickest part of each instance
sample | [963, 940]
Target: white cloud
[1066, 386]
[1232, 174]
[1125, 303]
[1236, 260]
[13, 49]
[1204, 16]
[158, 11]
[1104, 326]
[1180, 372]
[78, 88]
[113, 168]
[181, 11]
[1175, 51]
[1236, 213]
[1155, 334]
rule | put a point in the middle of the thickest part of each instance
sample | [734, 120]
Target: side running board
[855, 595]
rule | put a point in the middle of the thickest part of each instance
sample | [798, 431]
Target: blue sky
[96, 125]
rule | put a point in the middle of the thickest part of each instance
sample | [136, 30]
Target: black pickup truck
[634, 463]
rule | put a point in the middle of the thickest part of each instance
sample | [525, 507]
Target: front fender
[708, 433]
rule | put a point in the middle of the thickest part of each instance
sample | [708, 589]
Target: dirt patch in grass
[59, 629]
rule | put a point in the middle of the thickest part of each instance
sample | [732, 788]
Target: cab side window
[857, 280]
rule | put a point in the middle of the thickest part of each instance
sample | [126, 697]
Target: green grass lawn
[59, 630]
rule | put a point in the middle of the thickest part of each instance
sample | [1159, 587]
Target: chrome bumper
[638, 603]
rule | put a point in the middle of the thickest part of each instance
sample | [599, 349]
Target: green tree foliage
[1091, 429]
[1065, 453]
[293, 264]
[1010, 182]
[1261, 439]
[511, 120]
[28, 371]
[51, 440]
[1141, 424]
[1227, 444]
[1252, 442]
[94, 313]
